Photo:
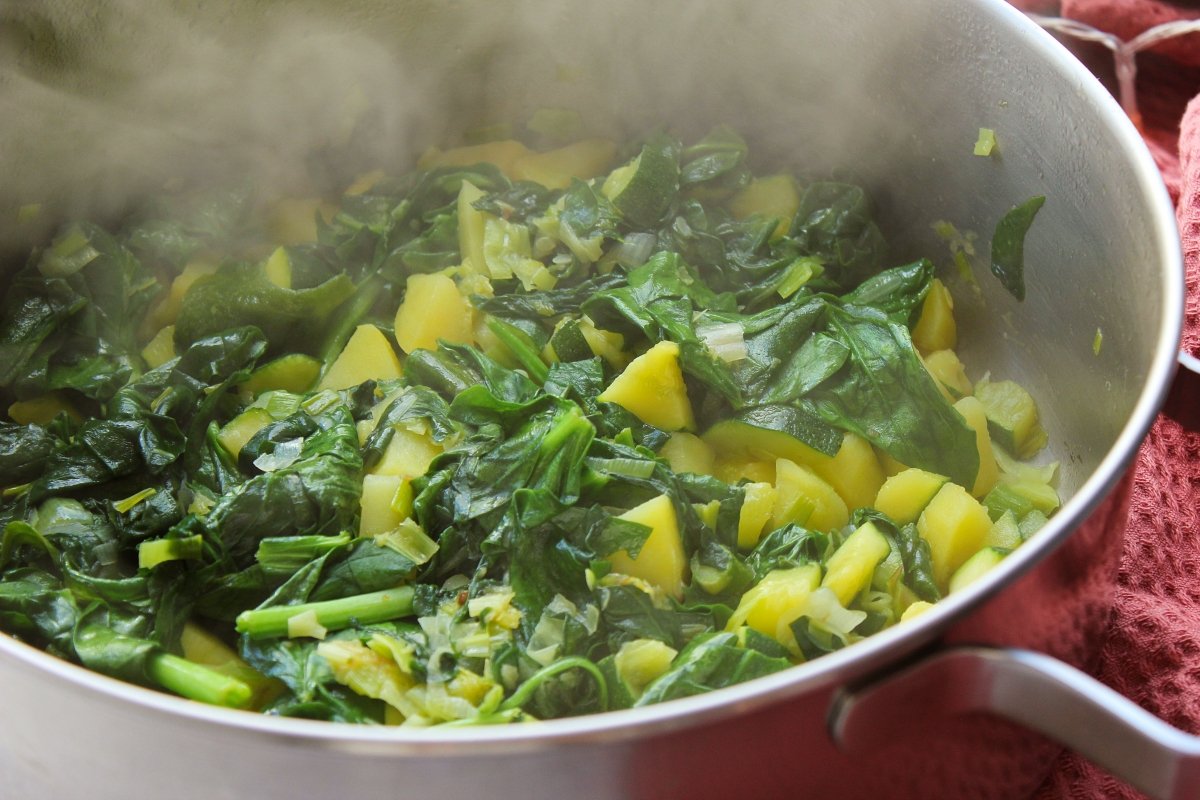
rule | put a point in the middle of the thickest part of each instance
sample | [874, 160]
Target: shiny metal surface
[1038, 692]
[895, 92]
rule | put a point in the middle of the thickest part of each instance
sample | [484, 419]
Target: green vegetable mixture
[521, 434]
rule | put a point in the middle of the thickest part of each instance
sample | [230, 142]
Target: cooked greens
[654, 427]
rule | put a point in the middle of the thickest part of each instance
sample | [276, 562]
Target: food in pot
[521, 434]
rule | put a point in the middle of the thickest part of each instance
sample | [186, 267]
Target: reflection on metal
[1124, 52]
[1031, 689]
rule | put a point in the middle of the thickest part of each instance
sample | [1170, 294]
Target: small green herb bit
[985, 145]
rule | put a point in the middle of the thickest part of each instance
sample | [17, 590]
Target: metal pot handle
[1031, 689]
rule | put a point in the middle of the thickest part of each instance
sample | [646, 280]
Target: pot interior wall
[894, 97]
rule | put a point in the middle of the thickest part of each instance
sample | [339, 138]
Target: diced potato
[687, 452]
[652, 389]
[471, 223]
[915, 610]
[804, 498]
[972, 411]
[850, 569]
[771, 196]
[947, 370]
[293, 220]
[379, 509]
[606, 344]
[161, 348]
[889, 465]
[756, 511]
[955, 525]
[854, 472]
[239, 430]
[433, 309]
[502, 153]
[42, 409]
[777, 601]
[640, 661]
[935, 329]
[166, 311]
[408, 454]
[368, 355]
[904, 495]
[708, 512]
[554, 169]
[278, 268]
[737, 467]
[661, 560]
[364, 183]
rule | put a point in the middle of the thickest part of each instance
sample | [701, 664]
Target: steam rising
[102, 101]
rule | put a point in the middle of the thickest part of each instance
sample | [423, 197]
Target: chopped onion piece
[284, 455]
[725, 340]
[306, 624]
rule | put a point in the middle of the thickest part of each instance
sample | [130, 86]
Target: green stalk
[197, 682]
[525, 691]
[521, 347]
[362, 609]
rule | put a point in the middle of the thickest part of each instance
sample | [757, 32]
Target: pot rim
[835, 668]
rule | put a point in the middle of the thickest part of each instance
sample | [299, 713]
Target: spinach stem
[525, 691]
[197, 682]
[361, 609]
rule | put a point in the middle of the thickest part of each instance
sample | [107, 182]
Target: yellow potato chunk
[166, 311]
[41, 410]
[240, 429]
[849, 570]
[661, 561]
[735, 468]
[890, 465]
[756, 511]
[368, 355]
[976, 417]
[687, 452]
[804, 498]
[641, 661]
[433, 309]
[854, 472]
[293, 220]
[554, 169]
[379, 509]
[408, 454]
[935, 328]
[949, 374]
[278, 268]
[915, 610]
[777, 601]
[652, 389]
[904, 495]
[503, 154]
[955, 525]
[771, 196]
[161, 348]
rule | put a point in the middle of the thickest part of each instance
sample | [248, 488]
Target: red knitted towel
[1152, 654]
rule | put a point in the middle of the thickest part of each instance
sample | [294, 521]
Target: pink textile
[1152, 654]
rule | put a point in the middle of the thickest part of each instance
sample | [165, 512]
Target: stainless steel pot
[104, 100]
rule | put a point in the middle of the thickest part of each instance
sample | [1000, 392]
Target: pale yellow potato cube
[368, 355]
